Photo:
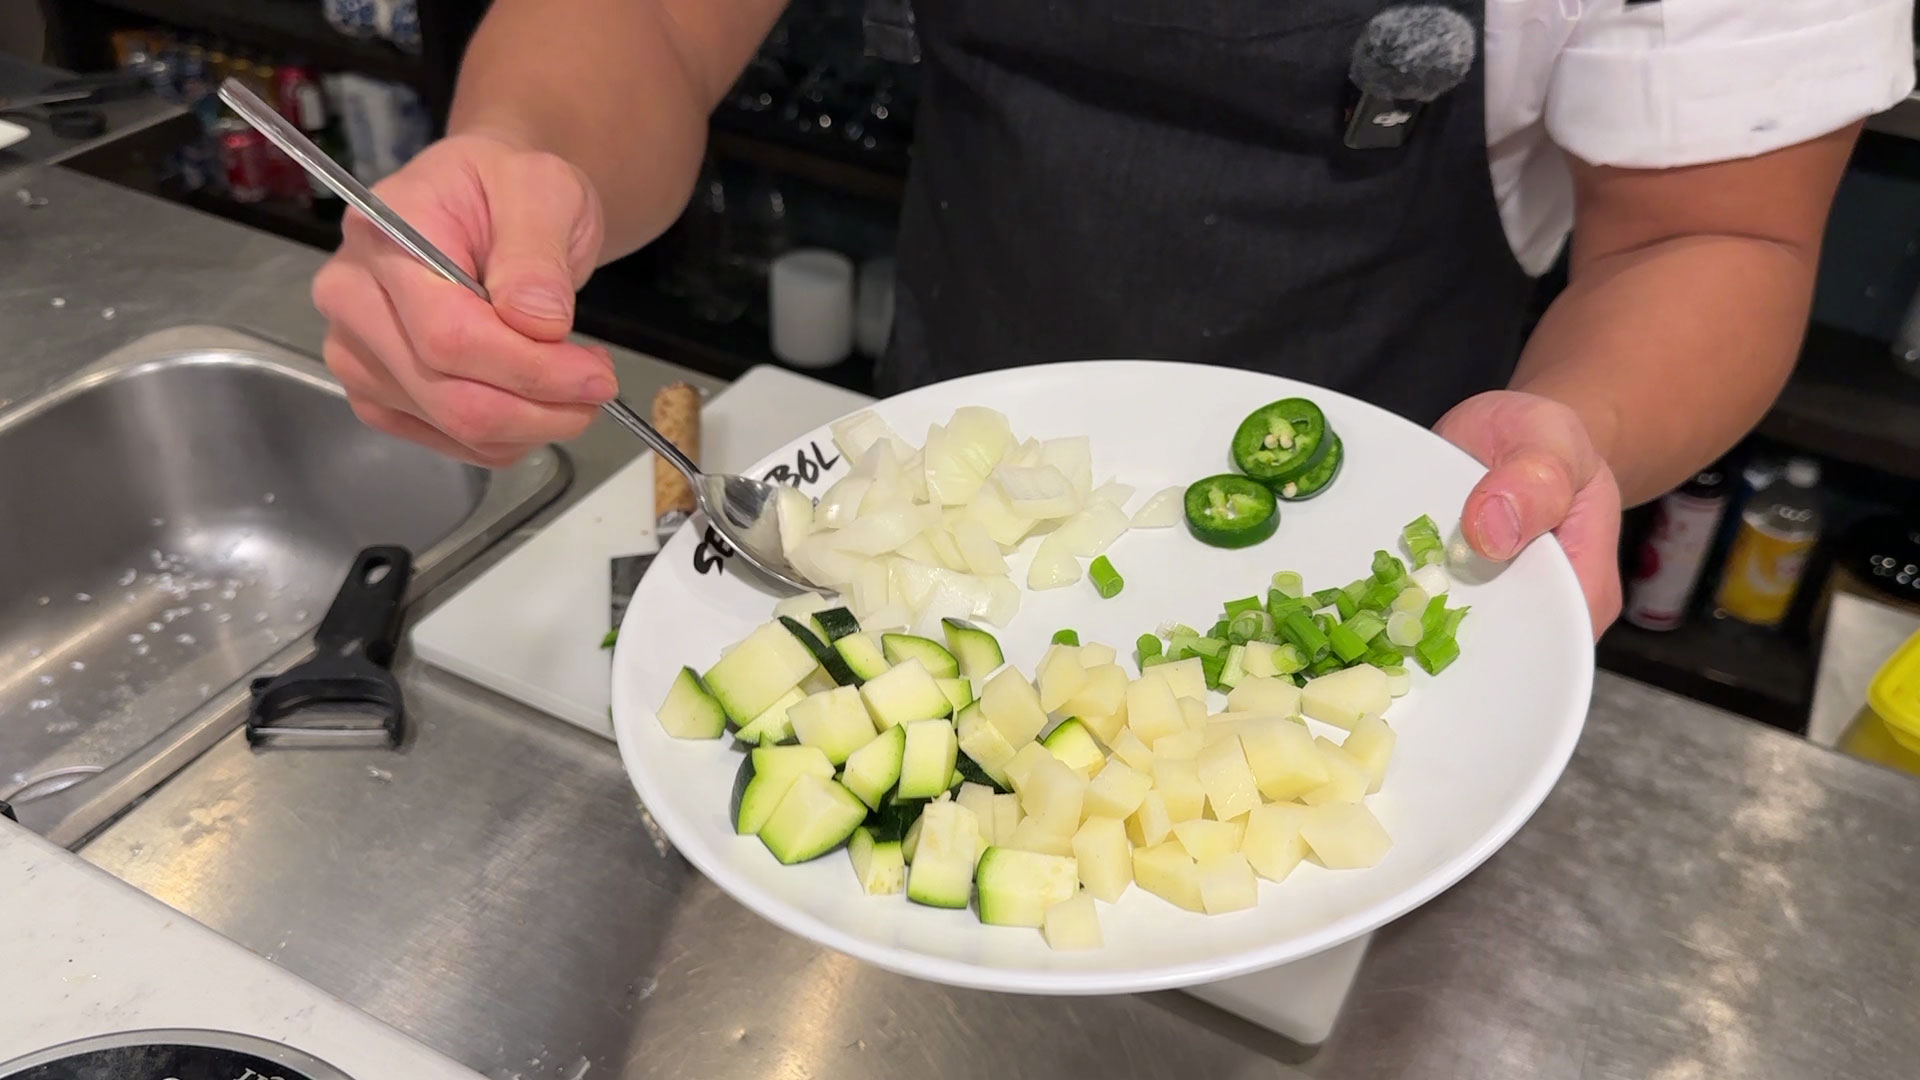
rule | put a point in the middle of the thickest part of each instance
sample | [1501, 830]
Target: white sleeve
[1664, 83]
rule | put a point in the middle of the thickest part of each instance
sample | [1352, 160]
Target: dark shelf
[316, 226]
[288, 27]
[1763, 674]
[621, 305]
[879, 174]
[1848, 401]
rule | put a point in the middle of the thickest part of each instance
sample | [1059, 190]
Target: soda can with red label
[244, 161]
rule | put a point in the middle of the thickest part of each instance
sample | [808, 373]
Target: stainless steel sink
[176, 519]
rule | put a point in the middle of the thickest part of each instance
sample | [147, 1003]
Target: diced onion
[1113, 491]
[1053, 565]
[823, 563]
[1162, 511]
[794, 512]
[1073, 456]
[855, 434]
[952, 478]
[977, 548]
[946, 550]
[1042, 492]
[841, 503]
[990, 508]
[1093, 530]
[870, 588]
[879, 533]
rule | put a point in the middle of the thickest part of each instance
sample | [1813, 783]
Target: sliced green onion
[1412, 600]
[1387, 569]
[1218, 630]
[1423, 542]
[1105, 578]
[1154, 661]
[1287, 659]
[1450, 625]
[1066, 637]
[1398, 681]
[1209, 646]
[1148, 645]
[611, 637]
[1174, 630]
[1324, 666]
[1434, 653]
[1435, 614]
[1382, 654]
[1365, 625]
[1212, 666]
[1235, 607]
[1289, 584]
[1324, 598]
[1279, 603]
[1346, 605]
[1235, 668]
[1304, 634]
[1404, 630]
[1325, 622]
[1380, 597]
[1357, 588]
[1347, 645]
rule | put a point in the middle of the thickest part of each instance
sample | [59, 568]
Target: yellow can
[1763, 570]
[1887, 731]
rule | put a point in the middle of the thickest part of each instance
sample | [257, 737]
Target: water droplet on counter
[225, 616]
[78, 665]
[259, 616]
[159, 521]
[38, 704]
[300, 615]
[267, 498]
[59, 301]
[205, 606]
[45, 600]
[135, 639]
[154, 628]
[184, 639]
[106, 313]
[128, 577]
[46, 680]
[379, 774]
[140, 650]
[33, 653]
[84, 598]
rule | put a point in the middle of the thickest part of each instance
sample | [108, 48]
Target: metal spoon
[740, 509]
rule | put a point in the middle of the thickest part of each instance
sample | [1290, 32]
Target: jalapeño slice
[1281, 441]
[1317, 479]
[1231, 511]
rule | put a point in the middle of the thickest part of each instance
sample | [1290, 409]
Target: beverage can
[244, 162]
[1675, 550]
[1763, 570]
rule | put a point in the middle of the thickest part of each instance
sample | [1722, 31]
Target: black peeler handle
[365, 617]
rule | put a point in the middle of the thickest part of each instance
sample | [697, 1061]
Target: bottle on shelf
[1675, 550]
[1777, 531]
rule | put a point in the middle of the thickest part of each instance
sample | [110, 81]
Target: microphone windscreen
[1414, 52]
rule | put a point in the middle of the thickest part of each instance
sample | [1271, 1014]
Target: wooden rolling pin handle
[676, 412]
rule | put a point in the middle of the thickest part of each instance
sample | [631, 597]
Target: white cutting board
[530, 627]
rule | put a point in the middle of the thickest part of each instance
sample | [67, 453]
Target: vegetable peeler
[346, 694]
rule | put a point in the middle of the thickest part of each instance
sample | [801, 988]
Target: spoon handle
[661, 445]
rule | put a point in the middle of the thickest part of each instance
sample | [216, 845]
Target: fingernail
[1498, 524]
[599, 388]
[540, 303]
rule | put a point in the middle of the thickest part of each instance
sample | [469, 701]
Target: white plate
[11, 133]
[1479, 747]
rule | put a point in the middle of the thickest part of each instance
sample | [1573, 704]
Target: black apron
[1168, 179]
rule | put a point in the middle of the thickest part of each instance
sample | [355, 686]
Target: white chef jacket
[1665, 83]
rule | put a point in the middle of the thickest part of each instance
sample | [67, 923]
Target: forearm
[1672, 352]
[621, 88]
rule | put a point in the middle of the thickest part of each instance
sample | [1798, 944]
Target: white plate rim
[1163, 977]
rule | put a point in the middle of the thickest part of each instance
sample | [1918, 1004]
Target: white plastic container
[810, 306]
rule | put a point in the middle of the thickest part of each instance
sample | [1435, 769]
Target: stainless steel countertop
[1701, 897]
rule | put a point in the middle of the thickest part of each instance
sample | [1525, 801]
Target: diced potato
[1128, 748]
[1006, 814]
[1265, 696]
[1053, 796]
[1104, 728]
[1152, 710]
[1346, 780]
[1194, 712]
[1116, 791]
[1258, 659]
[1024, 762]
[1182, 747]
[982, 742]
[1060, 677]
[1093, 655]
[1229, 782]
[1203, 838]
[1226, 883]
[1151, 824]
[1103, 694]
[1013, 705]
[1345, 836]
[1344, 698]
[1371, 744]
[1282, 756]
[1030, 835]
[1185, 678]
[1178, 783]
[1272, 842]
[1222, 726]
[979, 799]
[1104, 856]
[1072, 924]
[1167, 871]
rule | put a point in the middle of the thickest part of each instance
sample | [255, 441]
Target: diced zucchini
[1017, 887]
[815, 816]
[862, 655]
[910, 842]
[959, 691]
[930, 749]
[763, 780]
[690, 712]
[878, 864]
[932, 655]
[983, 745]
[753, 675]
[1075, 746]
[902, 694]
[894, 818]
[977, 652]
[838, 622]
[1072, 924]
[874, 769]
[830, 661]
[947, 848]
[772, 726]
[835, 721]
